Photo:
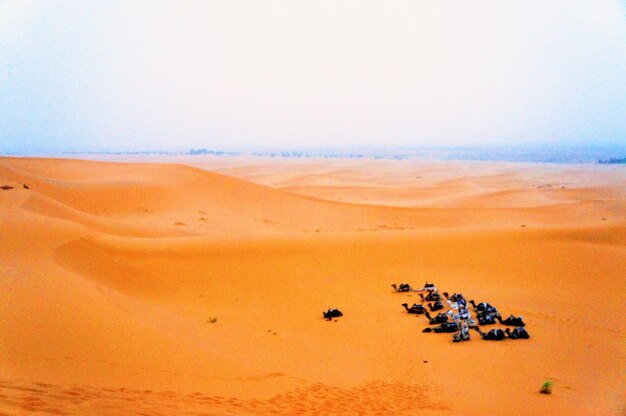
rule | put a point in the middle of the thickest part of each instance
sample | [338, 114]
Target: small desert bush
[546, 387]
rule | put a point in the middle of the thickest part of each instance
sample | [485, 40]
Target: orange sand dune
[160, 288]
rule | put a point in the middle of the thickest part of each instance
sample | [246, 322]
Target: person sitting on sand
[454, 314]
[462, 335]
[459, 314]
[464, 314]
[456, 299]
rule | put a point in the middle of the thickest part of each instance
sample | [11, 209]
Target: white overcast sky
[124, 75]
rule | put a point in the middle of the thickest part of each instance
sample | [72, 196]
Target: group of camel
[458, 319]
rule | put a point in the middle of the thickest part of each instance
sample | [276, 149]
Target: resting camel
[517, 333]
[511, 320]
[437, 306]
[416, 309]
[492, 312]
[428, 287]
[441, 318]
[455, 296]
[404, 287]
[445, 327]
[483, 308]
[332, 313]
[493, 335]
[480, 307]
[486, 320]
[431, 297]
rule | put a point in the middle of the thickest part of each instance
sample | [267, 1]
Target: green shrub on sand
[546, 388]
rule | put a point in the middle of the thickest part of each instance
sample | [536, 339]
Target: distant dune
[195, 285]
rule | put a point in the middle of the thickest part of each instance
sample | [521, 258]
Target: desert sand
[196, 285]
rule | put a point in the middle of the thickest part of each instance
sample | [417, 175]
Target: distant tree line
[211, 152]
[613, 161]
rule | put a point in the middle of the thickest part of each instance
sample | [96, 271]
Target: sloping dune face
[160, 288]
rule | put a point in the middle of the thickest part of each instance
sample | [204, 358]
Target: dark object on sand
[431, 297]
[6, 187]
[483, 308]
[546, 388]
[446, 327]
[441, 318]
[486, 320]
[517, 333]
[511, 320]
[26, 186]
[462, 335]
[404, 287]
[456, 298]
[437, 306]
[415, 309]
[430, 287]
[493, 335]
[332, 313]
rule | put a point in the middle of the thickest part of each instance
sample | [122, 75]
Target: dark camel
[441, 318]
[415, 309]
[445, 327]
[493, 335]
[517, 333]
[429, 287]
[332, 313]
[511, 320]
[454, 296]
[483, 309]
[431, 297]
[480, 307]
[404, 287]
[486, 320]
[437, 306]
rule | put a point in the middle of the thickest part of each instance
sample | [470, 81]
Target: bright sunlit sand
[161, 288]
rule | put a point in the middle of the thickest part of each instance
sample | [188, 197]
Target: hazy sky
[108, 75]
